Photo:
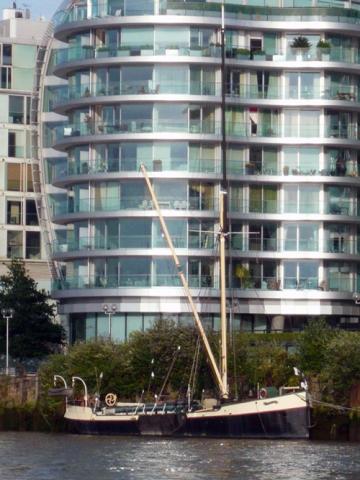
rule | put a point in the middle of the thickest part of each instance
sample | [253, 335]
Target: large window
[6, 54]
[14, 177]
[301, 161]
[301, 123]
[201, 234]
[341, 124]
[341, 162]
[5, 77]
[16, 143]
[263, 237]
[302, 85]
[263, 199]
[14, 244]
[339, 276]
[301, 275]
[301, 199]
[14, 212]
[31, 214]
[172, 37]
[16, 109]
[33, 249]
[301, 237]
[339, 201]
[337, 237]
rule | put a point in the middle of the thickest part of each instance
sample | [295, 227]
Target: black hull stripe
[286, 424]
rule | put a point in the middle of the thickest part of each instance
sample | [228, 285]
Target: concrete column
[278, 323]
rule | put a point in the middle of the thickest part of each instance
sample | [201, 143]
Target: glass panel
[118, 328]
[134, 324]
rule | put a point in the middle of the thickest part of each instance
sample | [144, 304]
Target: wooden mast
[223, 215]
[215, 370]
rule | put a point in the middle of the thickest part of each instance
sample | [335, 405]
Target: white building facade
[20, 235]
[140, 82]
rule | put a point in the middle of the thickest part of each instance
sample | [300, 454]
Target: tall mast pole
[223, 214]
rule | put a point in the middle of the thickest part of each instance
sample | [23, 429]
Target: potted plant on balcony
[146, 50]
[172, 50]
[102, 52]
[259, 55]
[300, 45]
[123, 51]
[242, 53]
[249, 168]
[323, 50]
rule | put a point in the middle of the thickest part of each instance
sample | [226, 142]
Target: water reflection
[32, 456]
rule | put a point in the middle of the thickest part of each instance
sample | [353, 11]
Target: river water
[35, 456]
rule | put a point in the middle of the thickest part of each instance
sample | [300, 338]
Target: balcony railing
[131, 280]
[206, 127]
[112, 204]
[113, 165]
[333, 282]
[66, 93]
[64, 55]
[77, 12]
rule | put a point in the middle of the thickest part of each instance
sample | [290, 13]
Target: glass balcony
[77, 12]
[133, 280]
[234, 129]
[200, 165]
[112, 204]
[65, 55]
[67, 93]
[60, 133]
[298, 283]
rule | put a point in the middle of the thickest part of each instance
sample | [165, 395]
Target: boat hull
[258, 419]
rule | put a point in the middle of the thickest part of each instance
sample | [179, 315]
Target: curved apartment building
[141, 82]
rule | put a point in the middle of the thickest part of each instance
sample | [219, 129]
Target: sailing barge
[285, 416]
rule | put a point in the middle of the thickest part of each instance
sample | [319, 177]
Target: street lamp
[7, 313]
[109, 310]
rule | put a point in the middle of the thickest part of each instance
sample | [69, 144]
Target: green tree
[33, 333]
[312, 345]
[341, 370]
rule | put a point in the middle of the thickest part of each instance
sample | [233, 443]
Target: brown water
[34, 456]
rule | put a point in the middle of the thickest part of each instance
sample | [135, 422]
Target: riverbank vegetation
[328, 358]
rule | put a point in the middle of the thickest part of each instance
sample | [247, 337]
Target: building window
[301, 275]
[13, 212]
[16, 143]
[33, 250]
[14, 244]
[14, 179]
[301, 199]
[31, 214]
[6, 54]
[5, 77]
[29, 179]
[16, 109]
[301, 237]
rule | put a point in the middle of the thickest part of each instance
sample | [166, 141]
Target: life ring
[110, 399]
[263, 393]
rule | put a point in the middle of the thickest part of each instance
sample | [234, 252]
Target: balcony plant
[300, 45]
[242, 53]
[259, 55]
[123, 51]
[102, 51]
[323, 49]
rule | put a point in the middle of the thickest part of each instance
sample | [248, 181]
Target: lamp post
[109, 310]
[7, 313]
